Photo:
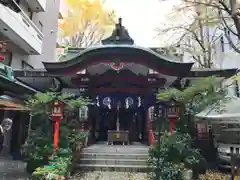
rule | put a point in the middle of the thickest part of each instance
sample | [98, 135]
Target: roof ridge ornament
[119, 35]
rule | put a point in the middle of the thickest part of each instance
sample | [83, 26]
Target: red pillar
[56, 133]
[149, 129]
[172, 125]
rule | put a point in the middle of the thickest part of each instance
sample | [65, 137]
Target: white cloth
[1, 129]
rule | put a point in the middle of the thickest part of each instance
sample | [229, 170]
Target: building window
[26, 66]
[237, 88]
[222, 43]
[40, 26]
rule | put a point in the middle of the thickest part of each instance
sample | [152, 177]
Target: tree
[172, 154]
[86, 23]
[226, 15]
[198, 96]
[198, 35]
[38, 146]
[40, 103]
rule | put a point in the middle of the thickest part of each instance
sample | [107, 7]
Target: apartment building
[30, 33]
[29, 28]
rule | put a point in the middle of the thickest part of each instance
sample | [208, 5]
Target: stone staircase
[102, 157]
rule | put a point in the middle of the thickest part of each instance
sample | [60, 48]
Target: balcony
[11, 4]
[18, 28]
[37, 5]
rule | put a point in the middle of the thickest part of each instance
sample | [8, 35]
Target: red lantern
[173, 111]
[57, 116]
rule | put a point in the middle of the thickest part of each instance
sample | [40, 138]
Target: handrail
[30, 22]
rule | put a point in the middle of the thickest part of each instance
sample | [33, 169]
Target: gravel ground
[99, 175]
[12, 170]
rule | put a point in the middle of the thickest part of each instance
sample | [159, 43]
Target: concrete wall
[49, 20]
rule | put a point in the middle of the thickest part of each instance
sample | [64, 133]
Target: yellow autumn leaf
[84, 13]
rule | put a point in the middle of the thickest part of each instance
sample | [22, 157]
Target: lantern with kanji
[83, 116]
[172, 112]
[57, 116]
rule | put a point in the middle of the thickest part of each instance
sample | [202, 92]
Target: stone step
[118, 168]
[114, 156]
[121, 150]
[128, 162]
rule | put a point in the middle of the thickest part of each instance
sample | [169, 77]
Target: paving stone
[106, 175]
[12, 170]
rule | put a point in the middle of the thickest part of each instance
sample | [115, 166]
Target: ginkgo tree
[87, 22]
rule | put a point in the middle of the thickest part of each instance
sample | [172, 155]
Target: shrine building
[120, 78]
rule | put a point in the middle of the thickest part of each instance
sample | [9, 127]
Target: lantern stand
[172, 113]
[57, 116]
[83, 116]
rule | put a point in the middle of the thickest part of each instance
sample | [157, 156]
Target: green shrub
[174, 153]
[57, 168]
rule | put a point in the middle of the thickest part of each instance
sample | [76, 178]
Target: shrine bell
[57, 116]
[172, 113]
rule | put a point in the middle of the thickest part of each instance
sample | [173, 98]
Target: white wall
[47, 22]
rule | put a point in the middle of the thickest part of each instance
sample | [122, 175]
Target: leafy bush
[168, 170]
[38, 147]
[57, 169]
[172, 155]
[76, 136]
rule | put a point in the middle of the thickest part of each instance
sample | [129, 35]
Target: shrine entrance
[131, 120]
[121, 79]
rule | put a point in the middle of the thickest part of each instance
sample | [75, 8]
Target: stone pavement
[12, 170]
[105, 175]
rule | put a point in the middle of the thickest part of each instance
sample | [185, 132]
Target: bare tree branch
[227, 15]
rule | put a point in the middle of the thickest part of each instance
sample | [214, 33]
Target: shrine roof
[118, 48]
[71, 52]
[119, 52]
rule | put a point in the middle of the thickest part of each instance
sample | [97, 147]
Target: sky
[141, 18]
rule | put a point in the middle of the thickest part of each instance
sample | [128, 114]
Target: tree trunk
[235, 15]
